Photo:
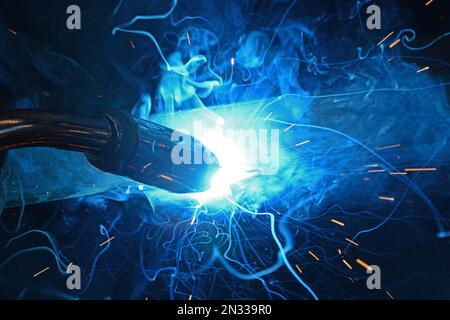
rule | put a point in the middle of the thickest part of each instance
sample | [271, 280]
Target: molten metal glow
[234, 166]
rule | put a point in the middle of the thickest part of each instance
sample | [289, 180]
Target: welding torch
[113, 142]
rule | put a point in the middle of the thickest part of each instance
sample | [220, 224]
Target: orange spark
[105, 242]
[393, 44]
[352, 242]
[386, 198]
[165, 177]
[378, 170]
[347, 264]
[40, 272]
[313, 255]
[420, 169]
[428, 3]
[363, 264]
[385, 38]
[13, 32]
[423, 69]
[298, 268]
[338, 222]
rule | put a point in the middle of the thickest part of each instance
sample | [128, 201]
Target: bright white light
[234, 167]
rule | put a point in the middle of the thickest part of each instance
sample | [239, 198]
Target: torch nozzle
[153, 154]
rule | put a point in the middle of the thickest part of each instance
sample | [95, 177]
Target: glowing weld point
[220, 121]
[221, 184]
[301, 143]
[234, 166]
[232, 61]
[41, 272]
